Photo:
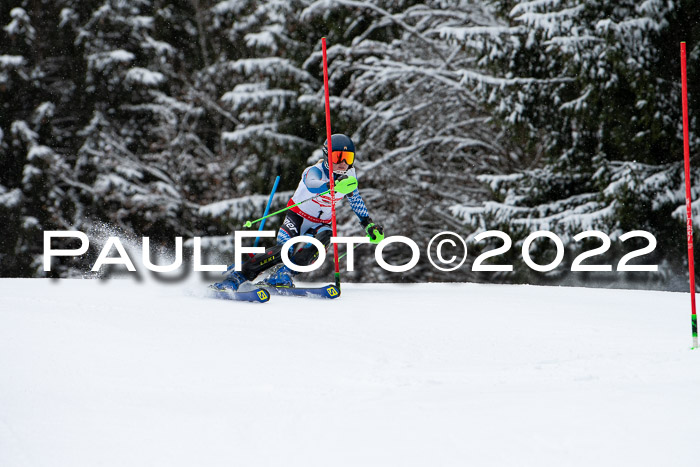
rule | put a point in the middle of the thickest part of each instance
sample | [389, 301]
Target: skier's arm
[358, 206]
[313, 179]
[374, 231]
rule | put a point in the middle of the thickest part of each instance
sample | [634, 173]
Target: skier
[311, 218]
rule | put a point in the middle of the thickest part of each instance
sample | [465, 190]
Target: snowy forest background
[172, 118]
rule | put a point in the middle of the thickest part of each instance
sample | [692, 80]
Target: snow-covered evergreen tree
[169, 118]
[37, 189]
[423, 136]
[123, 158]
[591, 93]
[257, 79]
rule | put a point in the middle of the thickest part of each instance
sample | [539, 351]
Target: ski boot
[281, 278]
[231, 283]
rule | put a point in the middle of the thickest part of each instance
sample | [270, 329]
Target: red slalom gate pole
[688, 200]
[330, 161]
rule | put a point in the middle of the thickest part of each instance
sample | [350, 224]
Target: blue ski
[327, 291]
[256, 295]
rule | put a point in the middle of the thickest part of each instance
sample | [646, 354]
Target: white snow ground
[97, 373]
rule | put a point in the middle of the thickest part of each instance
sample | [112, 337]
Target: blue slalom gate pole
[267, 209]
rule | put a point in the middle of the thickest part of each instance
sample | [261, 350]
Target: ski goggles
[343, 156]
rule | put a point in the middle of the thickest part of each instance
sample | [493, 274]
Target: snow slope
[122, 373]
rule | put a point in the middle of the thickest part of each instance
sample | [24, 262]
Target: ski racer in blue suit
[312, 218]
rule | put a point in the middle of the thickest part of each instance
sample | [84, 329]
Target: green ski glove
[375, 232]
[346, 185]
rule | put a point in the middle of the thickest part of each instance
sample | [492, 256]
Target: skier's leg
[304, 255]
[253, 265]
[308, 253]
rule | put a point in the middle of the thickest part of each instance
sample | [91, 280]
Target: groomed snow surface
[122, 373]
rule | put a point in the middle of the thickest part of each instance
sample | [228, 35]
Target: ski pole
[248, 224]
[346, 253]
[267, 209]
